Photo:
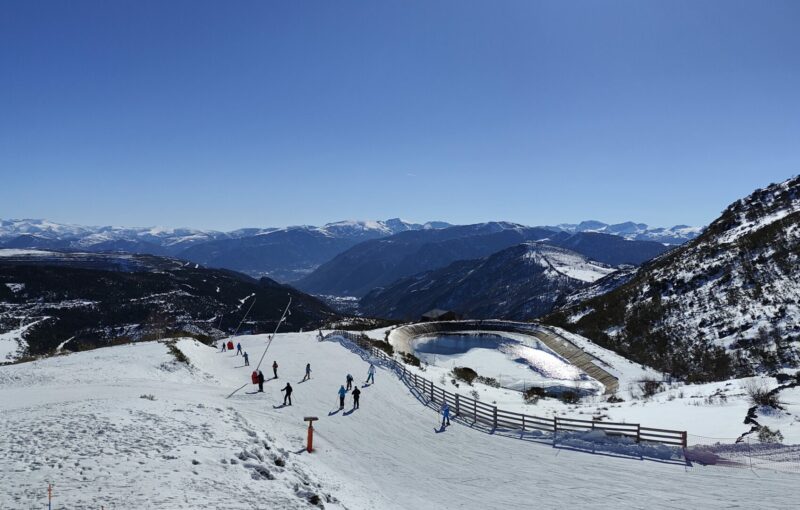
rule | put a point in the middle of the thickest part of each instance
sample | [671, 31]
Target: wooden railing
[499, 419]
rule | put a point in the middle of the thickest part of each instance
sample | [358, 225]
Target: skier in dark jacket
[288, 396]
[356, 395]
[349, 382]
[238, 348]
[308, 372]
[260, 381]
[275, 369]
[342, 392]
[223, 346]
[246, 360]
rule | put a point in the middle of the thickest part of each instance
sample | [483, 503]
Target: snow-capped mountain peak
[632, 231]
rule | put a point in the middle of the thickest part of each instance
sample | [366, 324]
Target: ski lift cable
[268, 344]
[272, 336]
[245, 316]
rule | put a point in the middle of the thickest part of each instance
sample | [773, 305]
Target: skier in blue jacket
[445, 414]
[342, 393]
[370, 374]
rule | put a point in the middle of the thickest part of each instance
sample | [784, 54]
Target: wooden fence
[491, 416]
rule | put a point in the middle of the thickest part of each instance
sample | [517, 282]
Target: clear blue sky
[229, 114]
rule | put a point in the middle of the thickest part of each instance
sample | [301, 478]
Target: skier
[342, 393]
[288, 396]
[246, 360]
[260, 381]
[308, 372]
[349, 382]
[445, 414]
[356, 395]
[275, 368]
[223, 346]
[238, 348]
[371, 374]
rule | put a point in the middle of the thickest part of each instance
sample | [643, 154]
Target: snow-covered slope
[521, 282]
[80, 422]
[727, 303]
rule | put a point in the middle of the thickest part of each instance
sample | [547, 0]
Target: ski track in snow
[79, 422]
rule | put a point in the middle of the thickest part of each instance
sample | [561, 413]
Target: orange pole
[310, 437]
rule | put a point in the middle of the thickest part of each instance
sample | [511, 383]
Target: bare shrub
[759, 395]
[533, 394]
[649, 387]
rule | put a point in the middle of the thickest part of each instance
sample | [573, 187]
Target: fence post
[457, 410]
[475, 410]
[494, 417]
[523, 423]
[683, 438]
[432, 398]
[638, 433]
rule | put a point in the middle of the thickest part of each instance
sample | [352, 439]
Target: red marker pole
[310, 420]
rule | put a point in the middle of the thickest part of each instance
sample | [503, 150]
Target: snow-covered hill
[727, 303]
[53, 301]
[521, 283]
[129, 427]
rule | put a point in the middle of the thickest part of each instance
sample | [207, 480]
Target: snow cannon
[310, 420]
[254, 377]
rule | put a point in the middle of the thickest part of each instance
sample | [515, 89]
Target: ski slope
[79, 422]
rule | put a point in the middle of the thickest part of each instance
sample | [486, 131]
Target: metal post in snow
[555, 429]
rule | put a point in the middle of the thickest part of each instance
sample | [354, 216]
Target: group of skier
[343, 392]
[258, 378]
[229, 346]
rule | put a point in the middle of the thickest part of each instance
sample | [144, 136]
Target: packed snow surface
[129, 427]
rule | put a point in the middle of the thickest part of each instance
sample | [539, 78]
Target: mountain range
[377, 263]
[676, 235]
[284, 254]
